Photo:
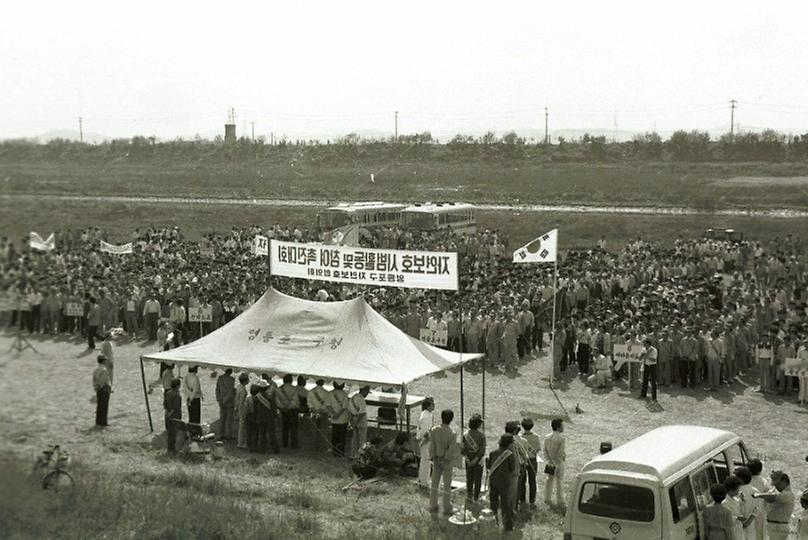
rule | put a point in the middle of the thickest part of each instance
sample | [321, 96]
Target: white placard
[74, 309]
[260, 245]
[379, 267]
[434, 336]
[626, 353]
[200, 314]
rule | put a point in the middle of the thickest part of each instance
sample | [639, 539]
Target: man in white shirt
[602, 367]
[193, 395]
[425, 423]
[555, 454]
[649, 374]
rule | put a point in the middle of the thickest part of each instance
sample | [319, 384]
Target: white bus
[437, 216]
[368, 214]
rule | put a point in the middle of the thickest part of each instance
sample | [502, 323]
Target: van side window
[722, 469]
[735, 457]
[683, 503]
[701, 486]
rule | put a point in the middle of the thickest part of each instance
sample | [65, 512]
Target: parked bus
[437, 216]
[369, 214]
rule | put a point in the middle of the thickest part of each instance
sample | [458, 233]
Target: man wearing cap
[649, 365]
[500, 464]
[715, 357]
[102, 388]
[226, 397]
[690, 353]
[781, 504]
[664, 358]
[151, 313]
[359, 418]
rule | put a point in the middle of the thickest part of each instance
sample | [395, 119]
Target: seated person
[398, 457]
[367, 461]
[603, 369]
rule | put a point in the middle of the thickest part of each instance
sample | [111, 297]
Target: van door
[701, 480]
[684, 516]
[616, 510]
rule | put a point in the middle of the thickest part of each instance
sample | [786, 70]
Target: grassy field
[397, 179]
[577, 229]
[131, 490]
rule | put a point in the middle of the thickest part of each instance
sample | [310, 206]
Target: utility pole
[546, 126]
[81, 129]
[252, 124]
[732, 107]
[395, 138]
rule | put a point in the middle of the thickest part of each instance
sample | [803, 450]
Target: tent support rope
[146, 395]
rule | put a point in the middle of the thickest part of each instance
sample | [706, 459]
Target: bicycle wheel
[58, 481]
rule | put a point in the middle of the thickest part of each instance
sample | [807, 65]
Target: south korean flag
[542, 249]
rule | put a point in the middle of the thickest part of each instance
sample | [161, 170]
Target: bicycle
[50, 470]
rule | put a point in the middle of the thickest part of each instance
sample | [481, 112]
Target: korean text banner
[380, 267]
[116, 250]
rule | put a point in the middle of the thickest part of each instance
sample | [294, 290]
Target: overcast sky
[310, 68]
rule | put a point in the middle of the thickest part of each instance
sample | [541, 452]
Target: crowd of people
[712, 310]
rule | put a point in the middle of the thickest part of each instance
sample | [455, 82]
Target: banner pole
[146, 395]
[553, 338]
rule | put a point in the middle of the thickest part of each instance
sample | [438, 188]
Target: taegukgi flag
[542, 249]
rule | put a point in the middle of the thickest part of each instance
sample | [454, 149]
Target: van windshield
[617, 501]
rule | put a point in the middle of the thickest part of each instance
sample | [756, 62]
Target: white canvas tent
[346, 341]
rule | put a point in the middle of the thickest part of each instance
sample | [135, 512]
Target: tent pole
[146, 394]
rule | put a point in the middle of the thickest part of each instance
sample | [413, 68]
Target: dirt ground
[45, 398]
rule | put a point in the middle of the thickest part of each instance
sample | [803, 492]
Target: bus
[438, 216]
[368, 214]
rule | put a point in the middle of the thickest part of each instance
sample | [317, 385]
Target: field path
[315, 203]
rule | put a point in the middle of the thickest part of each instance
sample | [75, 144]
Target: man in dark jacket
[501, 464]
[172, 403]
[265, 412]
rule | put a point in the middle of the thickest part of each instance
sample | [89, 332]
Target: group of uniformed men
[248, 411]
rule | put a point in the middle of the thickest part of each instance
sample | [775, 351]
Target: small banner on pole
[434, 336]
[366, 266]
[260, 245]
[116, 250]
[542, 249]
[200, 314]
[36, 242]
[626, 353]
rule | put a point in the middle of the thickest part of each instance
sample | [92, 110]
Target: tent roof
[346, 341]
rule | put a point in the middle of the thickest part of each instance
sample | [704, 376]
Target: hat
[262, 383]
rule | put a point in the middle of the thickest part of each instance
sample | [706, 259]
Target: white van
[653, 487]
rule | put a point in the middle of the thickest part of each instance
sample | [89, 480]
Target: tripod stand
[21, 343]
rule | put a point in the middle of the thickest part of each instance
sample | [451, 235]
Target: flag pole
[553, 335]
